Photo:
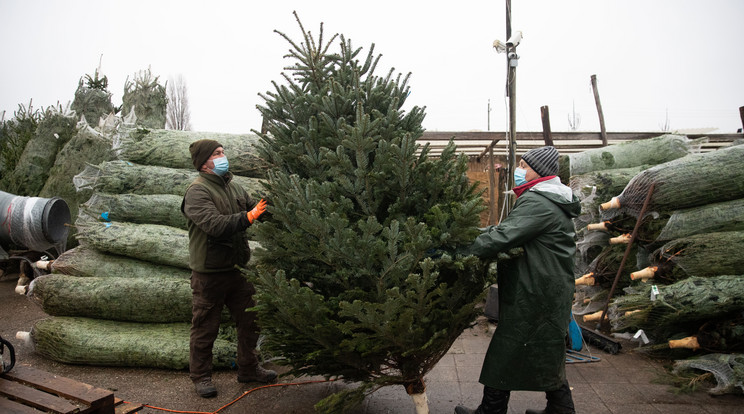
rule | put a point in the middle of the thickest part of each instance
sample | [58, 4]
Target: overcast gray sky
[683, 58]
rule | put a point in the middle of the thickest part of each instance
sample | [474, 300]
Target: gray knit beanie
[543, 160]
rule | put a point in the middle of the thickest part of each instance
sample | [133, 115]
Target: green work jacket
[535, 290]
[216, 216]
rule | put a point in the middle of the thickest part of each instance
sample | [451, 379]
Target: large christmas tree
[354, 279]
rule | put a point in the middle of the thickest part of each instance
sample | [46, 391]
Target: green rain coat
[528, 349]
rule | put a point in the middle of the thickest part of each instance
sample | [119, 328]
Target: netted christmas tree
[147, 97]
[92, 98]
[354, 279]
[15, 133]
[56, 126]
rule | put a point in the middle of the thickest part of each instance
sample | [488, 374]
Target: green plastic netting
[153, 243]
[122, 177]
[163, 209]
[150, 242]
[152, 300]
[170, 148]
[87, 262]
[74, 340]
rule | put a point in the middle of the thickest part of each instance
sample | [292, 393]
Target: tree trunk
[417, 391]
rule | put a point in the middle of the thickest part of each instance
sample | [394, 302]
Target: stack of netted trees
[123, 297]
[682, 283]
[595, 177]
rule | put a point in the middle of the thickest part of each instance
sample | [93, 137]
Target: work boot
[258, 375]
[560, 401]
[205, 388]
[494, 402]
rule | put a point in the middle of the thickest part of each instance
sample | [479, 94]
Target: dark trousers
[560, 401]
[211, 292]
[496, 401]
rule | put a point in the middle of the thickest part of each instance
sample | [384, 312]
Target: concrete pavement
[616, 384]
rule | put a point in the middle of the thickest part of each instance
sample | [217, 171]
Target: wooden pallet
[28, 390]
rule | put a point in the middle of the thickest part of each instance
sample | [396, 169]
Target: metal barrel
[33, 222]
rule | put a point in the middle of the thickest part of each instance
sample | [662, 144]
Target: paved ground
[617, 384]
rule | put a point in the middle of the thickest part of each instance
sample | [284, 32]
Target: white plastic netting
[728, 370]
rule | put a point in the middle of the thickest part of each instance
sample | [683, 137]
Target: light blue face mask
[220, 166]
[519, 176]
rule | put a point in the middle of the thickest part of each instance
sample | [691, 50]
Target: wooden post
[602, 129]
[545, 115]
[503, 197]
[627, 253]
[741, 115]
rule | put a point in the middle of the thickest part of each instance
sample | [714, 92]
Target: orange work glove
[257, 211]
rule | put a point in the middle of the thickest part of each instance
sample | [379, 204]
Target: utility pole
[512, 59]
[489, 115]
[511, 91]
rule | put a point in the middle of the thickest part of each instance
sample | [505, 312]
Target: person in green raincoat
[528, 349]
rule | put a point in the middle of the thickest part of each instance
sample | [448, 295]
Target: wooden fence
[475, 143]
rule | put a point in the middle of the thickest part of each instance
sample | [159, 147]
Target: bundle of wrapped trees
[127, 282]
[683, 283]
[679, 308]
[595, 176]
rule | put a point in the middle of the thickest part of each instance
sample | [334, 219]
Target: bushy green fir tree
[355, 279]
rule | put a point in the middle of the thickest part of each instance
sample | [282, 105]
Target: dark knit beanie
[201, 150]
[543, 160]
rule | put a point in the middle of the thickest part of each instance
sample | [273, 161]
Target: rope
[233, 401]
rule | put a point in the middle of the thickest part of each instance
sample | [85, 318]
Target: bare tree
[574, 119]
[178, 115]
[666, 126]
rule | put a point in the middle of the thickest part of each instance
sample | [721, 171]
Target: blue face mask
[519, 176]
[220, 166]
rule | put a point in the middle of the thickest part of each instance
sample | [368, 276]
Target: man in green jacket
[528, 349]
[218, 211]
